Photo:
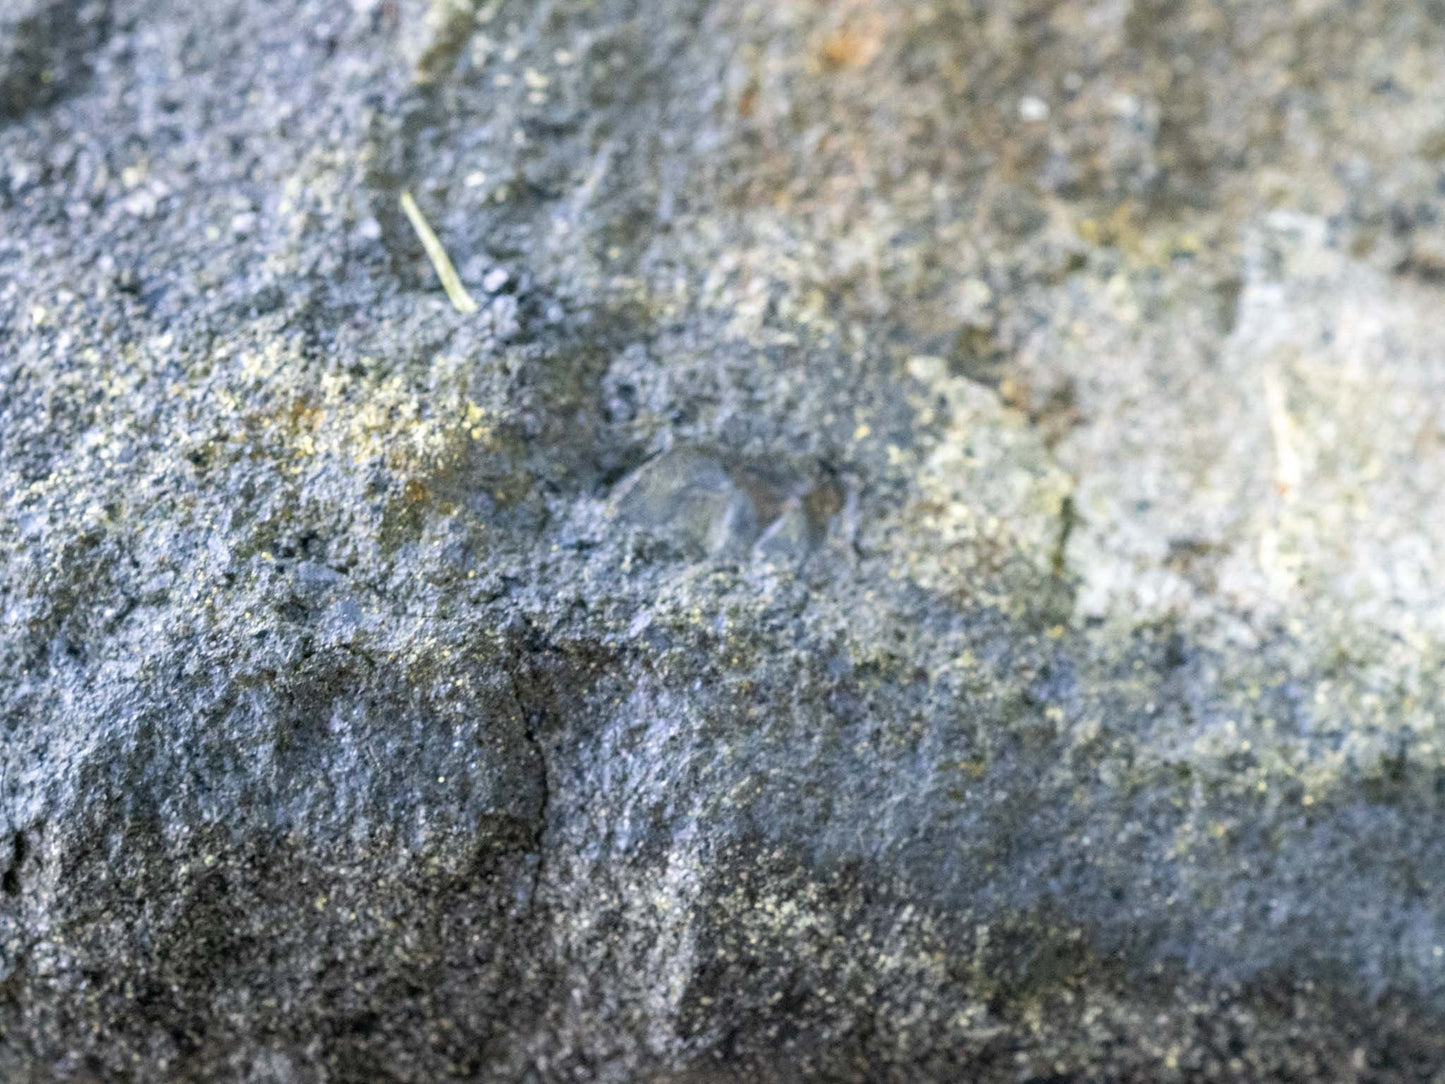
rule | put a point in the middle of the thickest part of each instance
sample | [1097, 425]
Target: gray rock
[901, 584]
[45, 47]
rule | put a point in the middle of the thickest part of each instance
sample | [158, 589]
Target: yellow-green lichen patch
[987, 507]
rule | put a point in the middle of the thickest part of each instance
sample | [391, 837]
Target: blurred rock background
[925, 565]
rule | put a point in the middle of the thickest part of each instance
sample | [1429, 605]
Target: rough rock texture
[927, 564]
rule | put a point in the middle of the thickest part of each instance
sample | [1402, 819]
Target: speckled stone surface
[926, 563]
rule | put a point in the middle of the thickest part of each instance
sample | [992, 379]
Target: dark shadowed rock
[923, 565]
[45, 47]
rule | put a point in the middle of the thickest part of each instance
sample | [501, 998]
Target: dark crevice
[531, 716]
[10, 879]
[1068, 520]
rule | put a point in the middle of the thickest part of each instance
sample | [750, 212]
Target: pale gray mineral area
[926, 562]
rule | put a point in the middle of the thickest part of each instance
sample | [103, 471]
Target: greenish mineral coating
[926, 565]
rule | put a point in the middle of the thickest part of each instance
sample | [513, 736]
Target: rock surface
[925, 565]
